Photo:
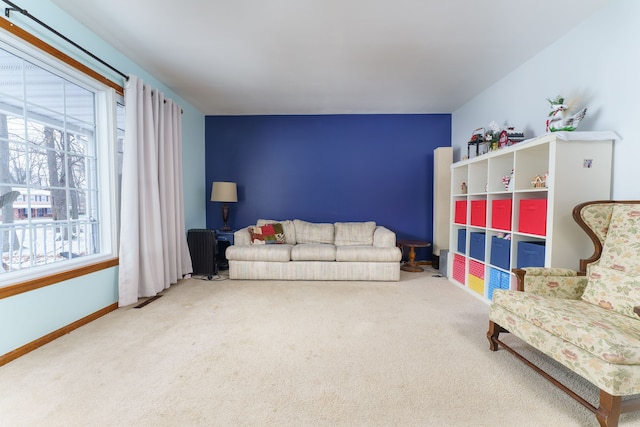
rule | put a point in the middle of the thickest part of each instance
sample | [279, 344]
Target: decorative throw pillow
[287, 226]
[267, 234]
[354, 233]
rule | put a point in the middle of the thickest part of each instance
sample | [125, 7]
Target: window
[57, 162]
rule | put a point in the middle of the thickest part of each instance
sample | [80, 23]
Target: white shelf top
[563, 136]
[587, 136]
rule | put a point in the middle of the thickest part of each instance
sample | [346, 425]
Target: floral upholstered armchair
[588, 320]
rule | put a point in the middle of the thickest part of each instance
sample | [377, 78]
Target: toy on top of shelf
[559, 118]
[492, 135]
[514, 136]
[492, 138]
[463, 188]
[503, 141]
[477, 139]
[510, 136]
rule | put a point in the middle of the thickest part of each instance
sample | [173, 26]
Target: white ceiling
[328, 56]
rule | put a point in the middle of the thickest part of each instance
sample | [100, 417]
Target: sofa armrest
[553, 282]
[242, 237]
[384, 238]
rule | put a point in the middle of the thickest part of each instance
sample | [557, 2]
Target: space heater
[203, 246]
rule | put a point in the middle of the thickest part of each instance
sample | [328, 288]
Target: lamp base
[225, 218]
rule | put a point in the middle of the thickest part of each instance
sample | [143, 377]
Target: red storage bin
[458, 268]
[476, 269]
[501, 214]
[533, 216]
[461, 212]
[479, 213]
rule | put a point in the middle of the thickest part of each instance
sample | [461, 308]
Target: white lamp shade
[224, 192]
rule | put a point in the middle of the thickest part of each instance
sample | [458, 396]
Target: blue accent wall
[328, 168]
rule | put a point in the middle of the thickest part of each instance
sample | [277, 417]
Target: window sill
[52, 279]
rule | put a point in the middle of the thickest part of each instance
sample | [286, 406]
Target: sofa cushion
[384, 238]
[308, 232]
[612, 290]
[287, 226]
[267, 234]
[368, 254]
[613, 378]
[354, 233]
[606, 334]
[313, 252]
[274, 253]
[614, 282]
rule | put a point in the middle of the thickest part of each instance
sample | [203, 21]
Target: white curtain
[153, 244]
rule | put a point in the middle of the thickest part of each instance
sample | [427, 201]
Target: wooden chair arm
[520, 276]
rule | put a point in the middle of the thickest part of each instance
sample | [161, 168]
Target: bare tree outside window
[48, 166]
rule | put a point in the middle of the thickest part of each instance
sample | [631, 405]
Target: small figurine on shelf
[539, 181]
[463, 188]
[508, 182]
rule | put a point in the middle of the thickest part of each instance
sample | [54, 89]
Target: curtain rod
[14, 7]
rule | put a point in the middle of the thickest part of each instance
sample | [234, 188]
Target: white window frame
[106, 131]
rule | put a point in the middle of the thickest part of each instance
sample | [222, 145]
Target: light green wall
[28, 316]
[31, 315]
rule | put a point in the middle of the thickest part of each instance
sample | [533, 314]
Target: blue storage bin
[498, 280]
[476, 246]
[505, 280]
[530, 254]
[462, 240]
[500, 252]
[494, 281]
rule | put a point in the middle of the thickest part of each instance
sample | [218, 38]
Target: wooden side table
[411, 265]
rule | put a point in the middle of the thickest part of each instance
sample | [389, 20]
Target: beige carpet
[252, 353]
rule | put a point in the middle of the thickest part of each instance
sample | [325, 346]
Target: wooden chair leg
[493, 333]
[609, 411]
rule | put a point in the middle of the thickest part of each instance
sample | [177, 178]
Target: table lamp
[225, 192]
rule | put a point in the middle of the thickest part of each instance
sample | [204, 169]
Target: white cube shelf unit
[537, 220]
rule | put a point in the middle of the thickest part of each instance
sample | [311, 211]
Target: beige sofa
[587, 320]
[317, 251]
